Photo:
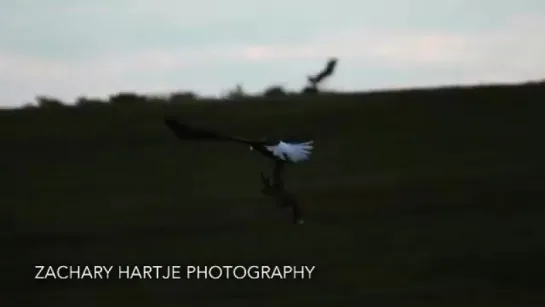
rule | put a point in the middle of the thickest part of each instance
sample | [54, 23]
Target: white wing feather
[294, 152]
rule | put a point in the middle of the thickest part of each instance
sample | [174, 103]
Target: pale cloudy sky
[70, 48]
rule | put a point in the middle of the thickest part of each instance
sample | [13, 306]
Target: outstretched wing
[292, 152]
[326, 72]
[185, 132]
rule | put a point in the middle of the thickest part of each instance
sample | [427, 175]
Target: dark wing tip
[182, 131]
[174, 123]
[170, 119]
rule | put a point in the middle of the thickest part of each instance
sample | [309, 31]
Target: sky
[74, 48]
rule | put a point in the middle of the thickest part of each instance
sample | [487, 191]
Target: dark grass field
[413, 198]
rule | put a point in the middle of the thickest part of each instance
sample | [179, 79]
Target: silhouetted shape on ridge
[275, 91]
[49, 102]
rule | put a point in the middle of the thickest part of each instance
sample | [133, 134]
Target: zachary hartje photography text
[166, 272]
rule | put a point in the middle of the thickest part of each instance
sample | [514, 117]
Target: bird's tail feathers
[301, 151]
[306, 146]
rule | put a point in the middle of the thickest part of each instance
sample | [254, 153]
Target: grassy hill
[413, 198]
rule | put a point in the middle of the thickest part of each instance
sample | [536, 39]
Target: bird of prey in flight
[280, 152]
[328, 70]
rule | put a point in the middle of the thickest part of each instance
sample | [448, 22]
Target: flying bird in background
[280, 152]
[328, 70]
